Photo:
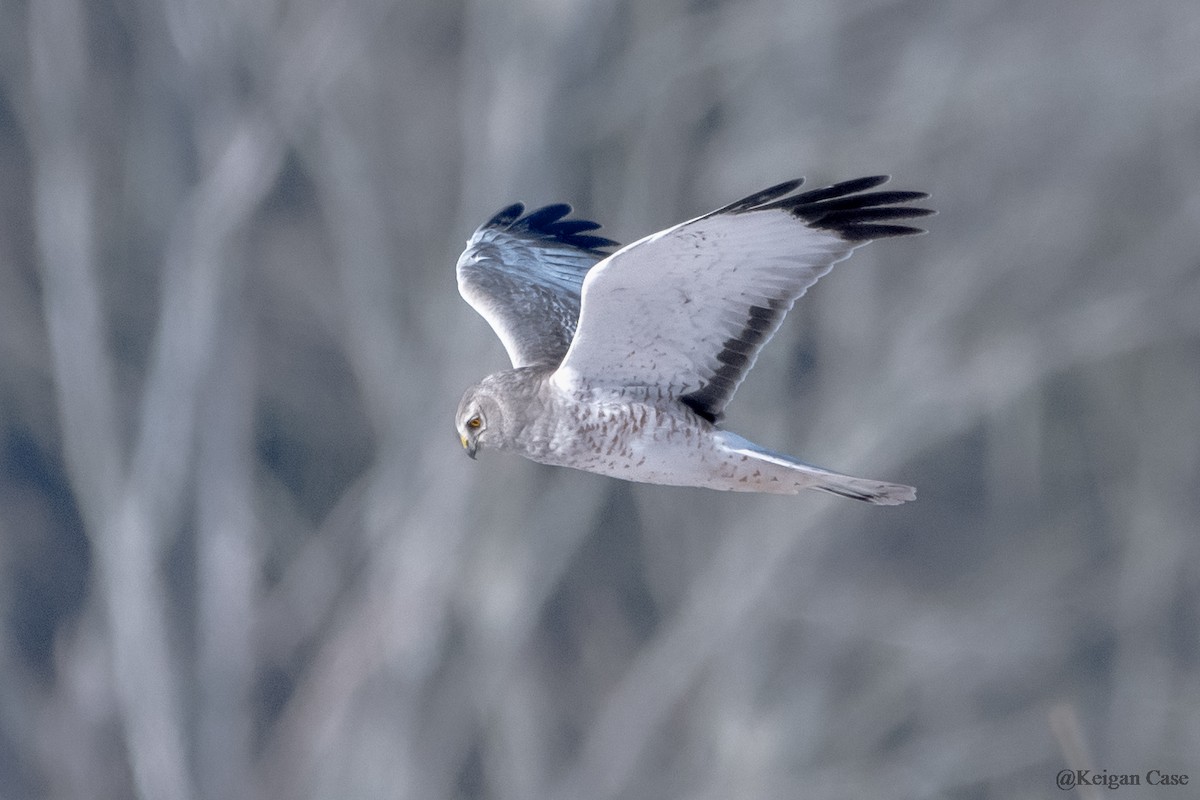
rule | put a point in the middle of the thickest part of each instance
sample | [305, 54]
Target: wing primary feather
[592, 244]
[572, 226]
[839, 189]
[865, 200]
[865, 233]
[759, 198]
[505, 216]
[851, 215]
[540, 219]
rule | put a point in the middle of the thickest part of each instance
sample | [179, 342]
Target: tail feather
[779, 473]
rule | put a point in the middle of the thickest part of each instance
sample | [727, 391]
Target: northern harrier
[623, 362]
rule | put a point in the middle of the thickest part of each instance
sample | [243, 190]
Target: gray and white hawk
[624, 359]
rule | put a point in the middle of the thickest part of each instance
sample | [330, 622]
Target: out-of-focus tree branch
[126, 547]
[241, 554]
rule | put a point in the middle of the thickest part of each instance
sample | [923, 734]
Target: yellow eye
[474, 422]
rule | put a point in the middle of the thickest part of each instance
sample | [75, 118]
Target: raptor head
[478, 419]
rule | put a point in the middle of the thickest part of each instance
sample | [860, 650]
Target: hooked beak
[471, 447]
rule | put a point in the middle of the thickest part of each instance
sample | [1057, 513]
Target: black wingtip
[867, 233]
[540, 219]
[548, 223]
[505, 216]
[840, 189]
[849, 208]
[759, 199]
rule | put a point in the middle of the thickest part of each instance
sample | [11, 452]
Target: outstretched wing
[685, 311]
[523, 274]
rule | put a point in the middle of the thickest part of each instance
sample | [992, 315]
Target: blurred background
[242, 554]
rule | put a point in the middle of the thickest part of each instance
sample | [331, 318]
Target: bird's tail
[767, 471]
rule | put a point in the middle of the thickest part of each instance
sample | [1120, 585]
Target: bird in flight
[624, 358]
